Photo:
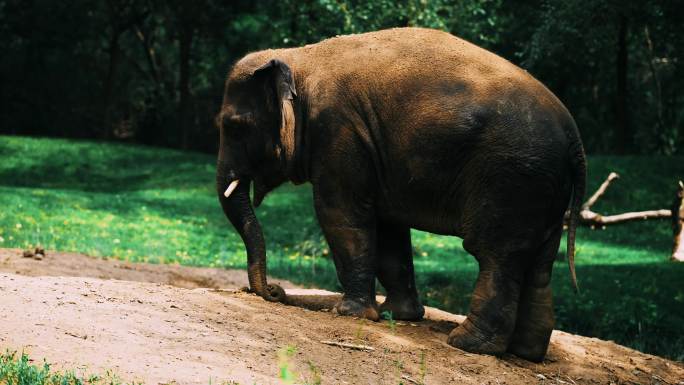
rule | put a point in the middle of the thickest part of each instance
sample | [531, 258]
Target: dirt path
[78, 265]
[157, 333]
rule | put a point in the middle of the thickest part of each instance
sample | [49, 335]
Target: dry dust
[153, 332]
[78, 265]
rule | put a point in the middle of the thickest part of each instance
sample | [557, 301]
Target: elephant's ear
[280, 86]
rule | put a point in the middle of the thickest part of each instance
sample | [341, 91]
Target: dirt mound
[56, 263]
[157, 333]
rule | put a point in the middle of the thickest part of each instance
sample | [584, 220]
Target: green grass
[19, 370]
[157, 205]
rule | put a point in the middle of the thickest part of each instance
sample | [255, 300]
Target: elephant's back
[411, 75]
[400, 64]
[395, 56]
[420, 89]
[410, 65]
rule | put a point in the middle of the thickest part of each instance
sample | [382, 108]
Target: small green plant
[390, 320]
[399, 366]
[423, 367]
[285, 373]
[315, 374]
[358, 334]
[289, 376]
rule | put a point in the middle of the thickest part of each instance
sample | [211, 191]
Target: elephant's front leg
[395, 272]
[349, 228]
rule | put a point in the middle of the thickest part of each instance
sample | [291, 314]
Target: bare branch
[595, 219]
[601, 190]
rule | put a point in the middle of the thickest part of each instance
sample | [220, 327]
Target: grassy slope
[156, 205]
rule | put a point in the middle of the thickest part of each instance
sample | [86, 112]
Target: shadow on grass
[639, 305]
[99, 167]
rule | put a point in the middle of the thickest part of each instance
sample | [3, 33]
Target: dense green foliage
[146, 204]
[152, 71]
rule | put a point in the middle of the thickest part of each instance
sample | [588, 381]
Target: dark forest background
[152, 71]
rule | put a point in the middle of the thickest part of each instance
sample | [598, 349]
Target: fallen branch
[349, 346]
[590, 218]
[593, 219]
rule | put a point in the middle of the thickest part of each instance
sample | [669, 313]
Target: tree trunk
[660, 125]
[186, 37]
[678, 225]
[114, 56]
[623, 134]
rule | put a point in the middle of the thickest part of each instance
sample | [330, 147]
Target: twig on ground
[349, 346]
[84, 337]
[409, 379]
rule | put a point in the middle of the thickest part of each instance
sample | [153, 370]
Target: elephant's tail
[579, 173]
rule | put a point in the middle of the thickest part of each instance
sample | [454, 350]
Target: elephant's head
[257, 146]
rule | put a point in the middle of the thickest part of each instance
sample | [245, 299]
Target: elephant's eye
[242, 119]
[238, 126]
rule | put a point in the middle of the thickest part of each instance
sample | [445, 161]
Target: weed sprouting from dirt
[399, 367]
[359, 337]
[289, 376]
[423, 367]
[285, 373]
[315, 374]
[390, 320]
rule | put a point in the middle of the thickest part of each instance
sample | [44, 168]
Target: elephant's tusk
[231, 188]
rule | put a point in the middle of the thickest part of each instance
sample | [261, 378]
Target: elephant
[401, 129]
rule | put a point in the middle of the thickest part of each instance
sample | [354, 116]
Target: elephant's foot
[534, 325]
[403, 308]
[531, 345]
[358, 309]
[470, 338]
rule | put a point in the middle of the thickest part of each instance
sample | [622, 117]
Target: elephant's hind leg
[535, 311]
[395, 272]
[493, 309]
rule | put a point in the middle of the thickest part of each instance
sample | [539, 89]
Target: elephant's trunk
[238, 209]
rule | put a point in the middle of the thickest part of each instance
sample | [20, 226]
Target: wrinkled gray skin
[410, 128]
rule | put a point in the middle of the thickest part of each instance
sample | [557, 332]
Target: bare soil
[169, 324]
